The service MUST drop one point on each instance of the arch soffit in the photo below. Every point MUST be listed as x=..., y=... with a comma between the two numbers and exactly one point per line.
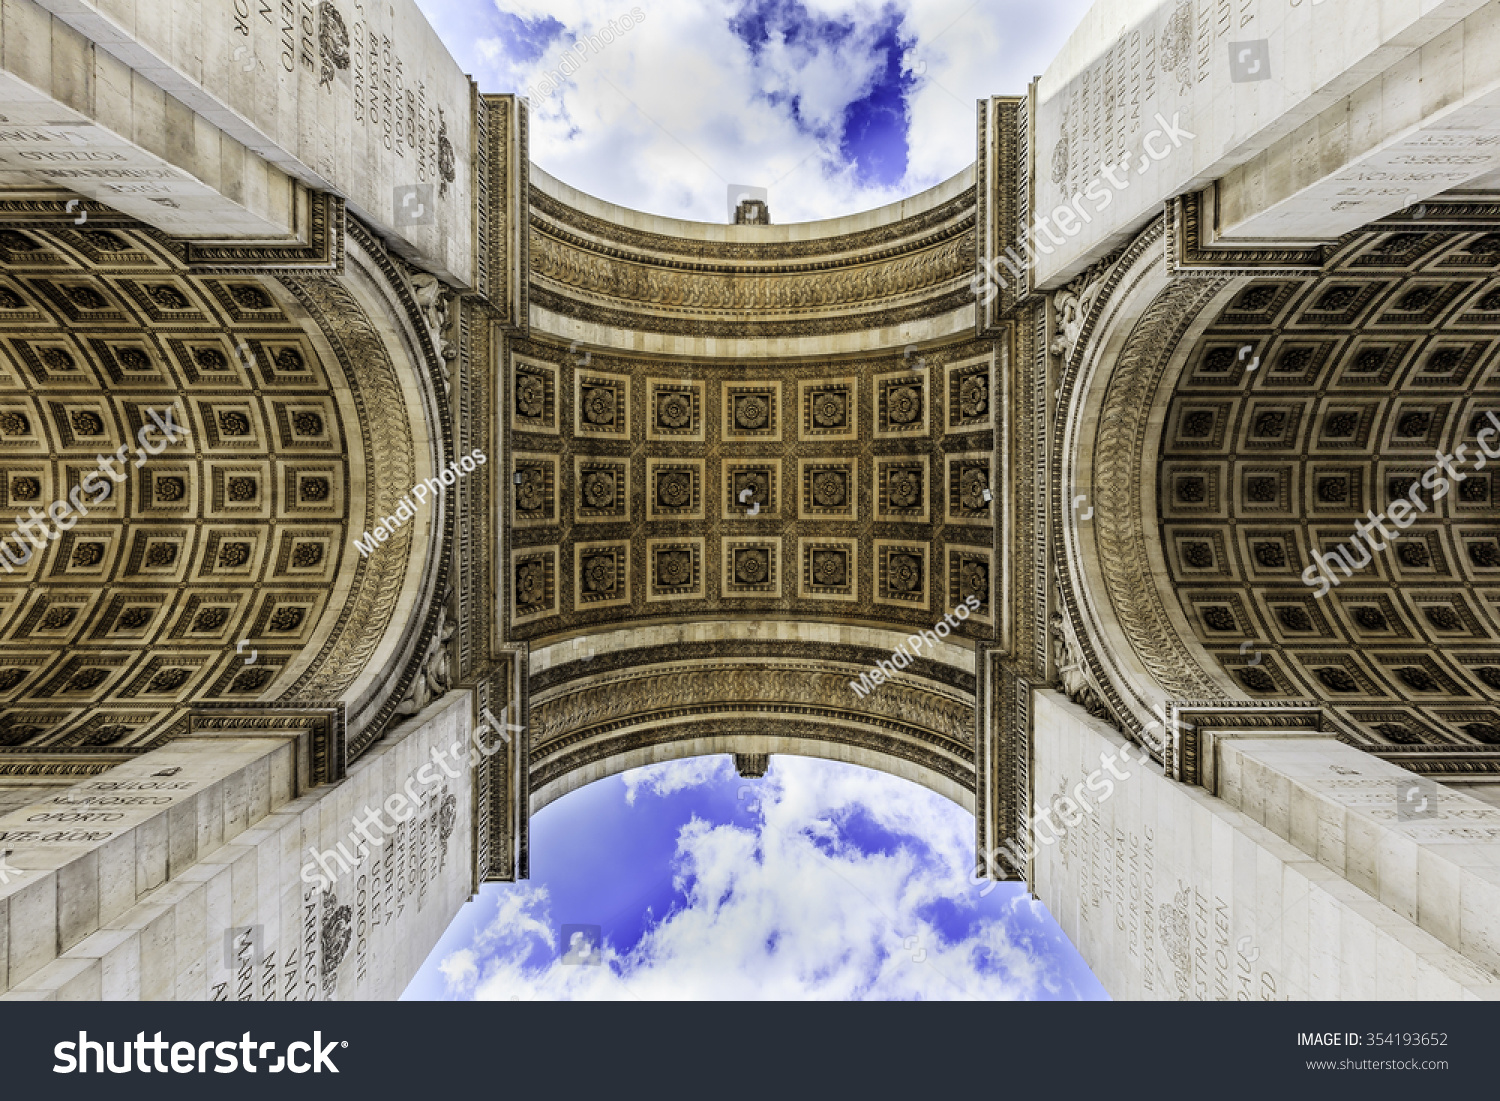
x=85, y=294
x=718, y=688
x=1131, y=326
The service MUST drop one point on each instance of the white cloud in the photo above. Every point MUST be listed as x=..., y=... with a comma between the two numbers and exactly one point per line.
x=677, y=108
x=784, y=907
x=674, y=776
x=461, y=969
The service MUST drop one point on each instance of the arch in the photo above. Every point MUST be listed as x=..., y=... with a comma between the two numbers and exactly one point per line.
x=610, y=277
x=604, y=702
x=1125, y=320
x=765, y=451
x=370, y=319
x=1371, y=385
x=789, y=745
x=223, y=568
x=1176, y=387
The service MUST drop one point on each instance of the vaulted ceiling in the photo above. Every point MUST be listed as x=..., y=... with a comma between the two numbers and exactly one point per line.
x=1304, y=407
x=861, y=489
x=216, y=567
x=747, y=464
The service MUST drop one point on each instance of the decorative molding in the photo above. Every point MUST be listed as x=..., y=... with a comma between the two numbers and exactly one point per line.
x=691, y=724
x=622, y=278
x=1124, y=419
x=1184, y=722
x=319, y=248
x=1072, y=671
x=942, y=272
x=1190, y=251
x=1001, y=170
x=502, y=790
x=1002, y=800
x=326, y=722
x=908, y=708
x=58, y=766
x=379, y=580
x=1451, y=762
x=1073, y=305
x=744, y=650
x=502, y=244
x=1447, y=213
x=879, y=243
x=752, y=766
x=434, y=671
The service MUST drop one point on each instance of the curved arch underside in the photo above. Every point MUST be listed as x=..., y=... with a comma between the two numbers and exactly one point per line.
x=1232, y=431
x=790, y=744
x=725, y=429
x=220, y=569
x=1373, y=384
x=600, y=704
x=787, y=472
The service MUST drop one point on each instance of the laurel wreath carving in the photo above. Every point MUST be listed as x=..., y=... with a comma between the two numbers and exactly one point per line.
x=639, y=283
x=1119, y=527
x=377, y=584
x=910, y=705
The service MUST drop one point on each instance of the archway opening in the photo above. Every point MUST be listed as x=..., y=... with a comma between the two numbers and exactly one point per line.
x=696, y=879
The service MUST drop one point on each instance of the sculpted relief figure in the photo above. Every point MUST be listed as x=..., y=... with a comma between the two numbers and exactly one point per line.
x=434, y=677
x=433, y=299
x=1072, y=674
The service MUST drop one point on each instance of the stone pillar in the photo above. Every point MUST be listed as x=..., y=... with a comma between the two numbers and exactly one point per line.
x=1302, y=121
x=1316, y=872
x=212, y=121
x=204, y=870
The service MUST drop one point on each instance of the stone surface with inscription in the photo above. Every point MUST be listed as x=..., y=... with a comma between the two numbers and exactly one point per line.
x=1170, y=893
x=232, y=903
x=206, y=111
x=1314, y=118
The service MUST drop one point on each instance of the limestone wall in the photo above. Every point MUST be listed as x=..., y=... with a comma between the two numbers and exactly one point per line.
x=217, y=894
x=1318, y=117
x=1171, y=893
x=196, y=116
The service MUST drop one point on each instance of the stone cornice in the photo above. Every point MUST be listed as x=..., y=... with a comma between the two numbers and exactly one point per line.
x=623, y=278
x=942, y=221
x=742, y=649
x=907, y=707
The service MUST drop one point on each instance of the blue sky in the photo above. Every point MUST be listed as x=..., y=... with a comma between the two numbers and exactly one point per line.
x=821, y=881
x=835, y=106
